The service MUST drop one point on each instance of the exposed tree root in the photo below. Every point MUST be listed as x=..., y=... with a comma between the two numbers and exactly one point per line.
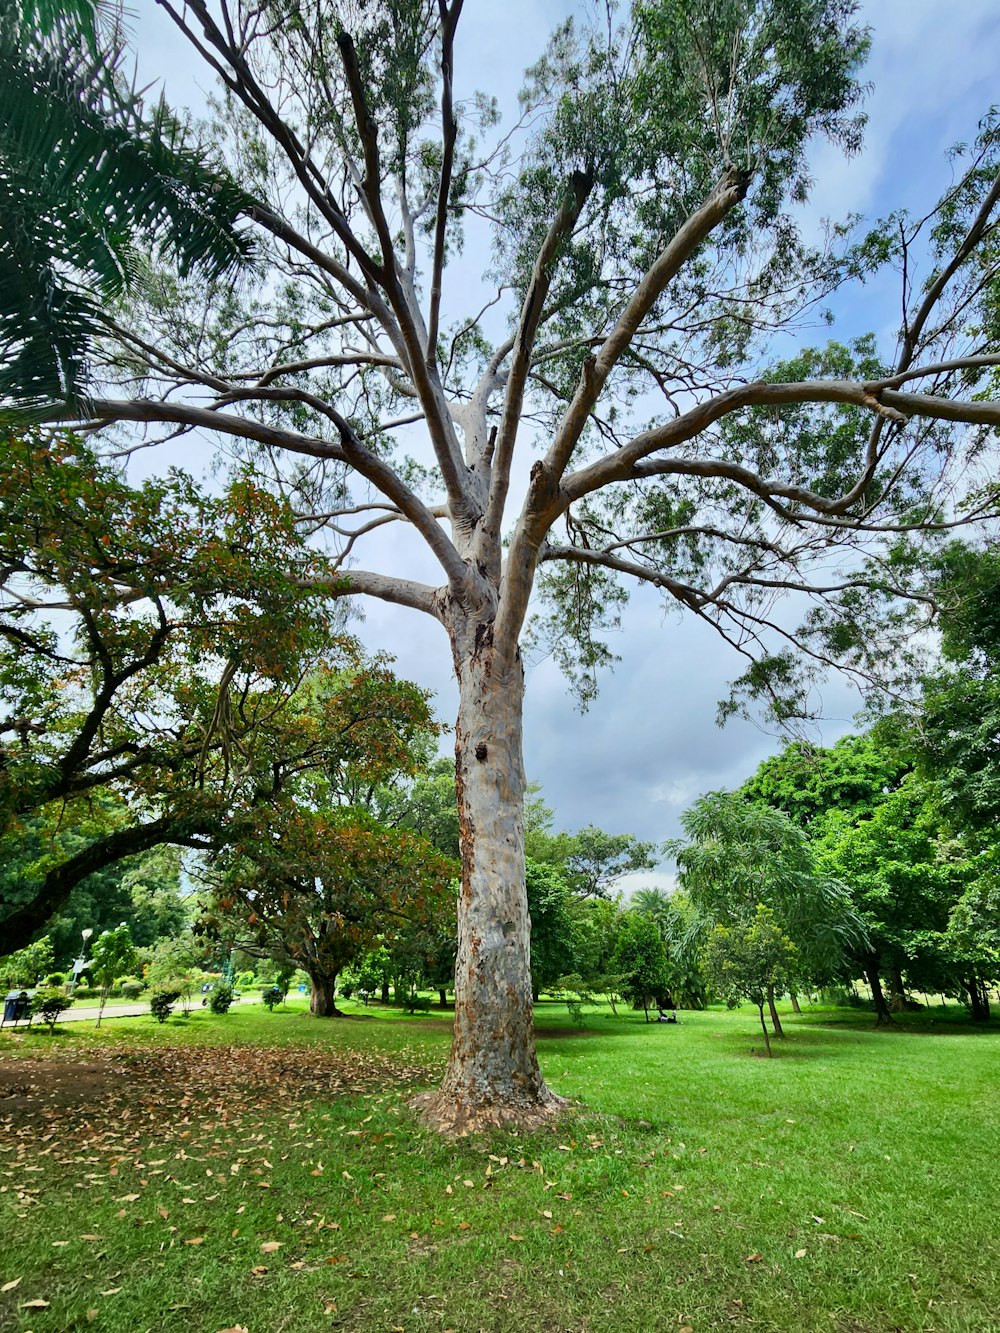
x=456, y=1117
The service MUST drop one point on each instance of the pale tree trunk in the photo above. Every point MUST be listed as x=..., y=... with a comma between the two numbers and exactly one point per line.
x=492, y=1076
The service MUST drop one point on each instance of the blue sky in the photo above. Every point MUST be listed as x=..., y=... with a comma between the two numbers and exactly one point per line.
x=649, y=745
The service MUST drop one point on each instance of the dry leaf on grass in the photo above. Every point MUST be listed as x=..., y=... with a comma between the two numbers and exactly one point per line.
x=754, y=1258
x=269, y=1246
x=9, y=1286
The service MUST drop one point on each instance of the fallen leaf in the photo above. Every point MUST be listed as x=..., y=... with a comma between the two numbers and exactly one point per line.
x=754, y=1258
x=90, y=1236
x=9, y=1286
x=111, y=1291
x=259, y=1270
x=92, y=1314
x=34, y=1305
x=513, y=1237
x=236, y=1328
x=196, y=1240
x=270, y=1246
x=389, y=1217
x=126, y=1198
x=800, y=1254
x=547, y=1213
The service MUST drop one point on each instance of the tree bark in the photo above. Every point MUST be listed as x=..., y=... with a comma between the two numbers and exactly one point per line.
x=763, y=1028
x=897, y=991
x=779, y=1031
x=322, y=989
x=795, y=1002
x=883, y=1017
x=979, y=1000
x=443, y=997
x=492, y=1076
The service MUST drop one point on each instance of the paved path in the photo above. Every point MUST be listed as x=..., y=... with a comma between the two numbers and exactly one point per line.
x=80, y=1013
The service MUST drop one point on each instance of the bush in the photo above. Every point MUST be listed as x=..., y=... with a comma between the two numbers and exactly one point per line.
x=246, y=979
x=49, y=1004
x=220, y=999
x=55, y=979
x=271, y=996
x=85, y=992
x=131, y=989
x=161, y=1004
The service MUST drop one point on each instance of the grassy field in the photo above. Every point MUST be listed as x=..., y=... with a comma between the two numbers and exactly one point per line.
x=262, y=1172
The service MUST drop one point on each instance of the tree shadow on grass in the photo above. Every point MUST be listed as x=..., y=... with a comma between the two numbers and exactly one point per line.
x=925, y=1023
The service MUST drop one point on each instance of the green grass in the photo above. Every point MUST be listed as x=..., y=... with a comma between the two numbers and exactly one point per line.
x=678, y=1195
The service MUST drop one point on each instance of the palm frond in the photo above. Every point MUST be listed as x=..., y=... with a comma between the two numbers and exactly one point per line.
x=89, y=176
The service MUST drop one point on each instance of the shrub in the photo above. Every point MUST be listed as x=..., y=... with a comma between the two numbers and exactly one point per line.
x=271, y=995
x=414, y=1003
x=49, y=1004
x=54, y=979
x=131, y=988
x=220, y=999
x=161, y=1004
x=246, y=978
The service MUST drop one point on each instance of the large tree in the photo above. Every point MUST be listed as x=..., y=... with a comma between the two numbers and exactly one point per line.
x=629, y=424
x=318, y=888
x=150, y=639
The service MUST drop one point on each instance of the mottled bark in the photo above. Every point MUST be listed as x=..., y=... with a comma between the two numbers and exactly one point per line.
x=492, y=1076
x=795, y=1002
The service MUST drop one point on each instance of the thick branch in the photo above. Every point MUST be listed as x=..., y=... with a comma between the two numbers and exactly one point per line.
x=727, y=194
x=449, y=133
x=25, y=922
x=628, y=463
x=403, y=592
x=580, y=185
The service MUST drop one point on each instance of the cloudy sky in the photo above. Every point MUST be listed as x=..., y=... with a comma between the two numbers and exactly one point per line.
x=649, y=745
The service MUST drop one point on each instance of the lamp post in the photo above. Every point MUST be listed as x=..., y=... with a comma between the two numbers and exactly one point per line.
x=80, y=963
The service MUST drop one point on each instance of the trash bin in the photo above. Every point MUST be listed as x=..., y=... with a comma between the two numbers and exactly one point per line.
x=16, y=1005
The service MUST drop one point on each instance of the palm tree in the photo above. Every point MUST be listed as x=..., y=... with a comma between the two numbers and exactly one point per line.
x=91, y=181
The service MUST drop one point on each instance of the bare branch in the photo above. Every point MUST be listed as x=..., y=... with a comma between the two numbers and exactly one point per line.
x=449, y=134
x=727, y=194
x=359, y=582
